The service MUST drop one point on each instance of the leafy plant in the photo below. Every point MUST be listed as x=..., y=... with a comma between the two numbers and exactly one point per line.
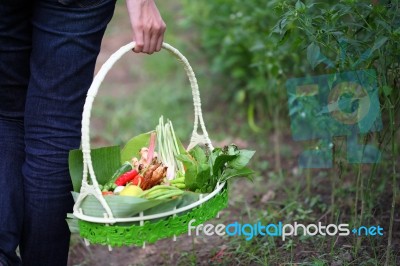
x=203, y=171
x=353, y=35
x=254, y=46
x=251, y=64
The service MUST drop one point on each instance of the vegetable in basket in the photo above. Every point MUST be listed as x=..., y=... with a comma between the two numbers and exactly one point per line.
x=198, y=170
x=168, y=148
x=205, y=168
x=144, y=173
x=151, y=170
x=161, y=192
x=126, y=178
x=131, y=190
x=126, y=167
x=179, y=181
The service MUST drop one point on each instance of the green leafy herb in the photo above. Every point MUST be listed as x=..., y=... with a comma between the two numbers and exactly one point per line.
x=220, y=161
x=242, y=159
x=204, y=169
x=230, y=172
x=198, y=154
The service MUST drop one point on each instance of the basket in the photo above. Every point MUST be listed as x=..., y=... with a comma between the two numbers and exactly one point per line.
x=141, y=229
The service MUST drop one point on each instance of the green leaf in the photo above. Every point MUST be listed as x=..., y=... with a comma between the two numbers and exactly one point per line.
x=198, y=177
x=229, y=173
x=126, y=206
x=220, y=162
x=198, y=154
x=73, y=224
x=313, y=54
x=378, y=43
x=233, y=150
x=185, y=158
x=121, y=206
x=369, y=52
x=300, y=5
x=285, y=36
x=75, y=164
x=134, y=145
x=315, y=57
x=190, y=177
x=387, y=90
x=182, y=149
x=242, y=160
x=105, y=161
x=204, y=178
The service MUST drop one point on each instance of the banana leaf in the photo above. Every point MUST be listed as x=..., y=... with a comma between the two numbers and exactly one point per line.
x=121, y=206
x=105, y=162
x=184, y=200
x=126, y=206
x=133, y=147
x=72, y=223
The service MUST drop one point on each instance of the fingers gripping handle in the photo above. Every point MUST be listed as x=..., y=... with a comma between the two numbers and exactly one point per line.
x=198, y=117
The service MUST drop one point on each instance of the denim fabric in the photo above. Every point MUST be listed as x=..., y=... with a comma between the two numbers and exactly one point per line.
x=48, y=50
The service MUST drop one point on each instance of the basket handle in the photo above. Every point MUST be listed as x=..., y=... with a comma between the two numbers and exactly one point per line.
x=92, y=92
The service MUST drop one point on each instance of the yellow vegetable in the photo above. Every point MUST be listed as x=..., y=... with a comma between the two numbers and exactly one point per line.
x=133, y=191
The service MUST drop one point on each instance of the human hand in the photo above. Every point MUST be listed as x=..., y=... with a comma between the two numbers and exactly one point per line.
x=147, y=25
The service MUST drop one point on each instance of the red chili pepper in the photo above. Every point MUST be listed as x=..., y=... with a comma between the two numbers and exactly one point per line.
x=137, y=180
x=127, y=177
x=105, y=193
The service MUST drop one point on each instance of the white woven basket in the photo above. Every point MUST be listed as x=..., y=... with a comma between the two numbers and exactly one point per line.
x=93, y=188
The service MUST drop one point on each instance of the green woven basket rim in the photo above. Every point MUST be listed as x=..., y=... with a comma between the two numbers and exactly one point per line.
x=153, y=230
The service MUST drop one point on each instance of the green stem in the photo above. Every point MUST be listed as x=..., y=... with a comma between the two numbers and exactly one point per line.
x=369, y=185
x=308, y=180
x=333, y=187
x=277, y=147
x=361, y=195
x=394, y=184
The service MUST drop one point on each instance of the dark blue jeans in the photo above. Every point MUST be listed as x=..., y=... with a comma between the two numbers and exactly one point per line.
x=48, y=50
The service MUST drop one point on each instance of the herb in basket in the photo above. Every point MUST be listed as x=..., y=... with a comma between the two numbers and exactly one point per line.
x=157, y=172
x=165, y=163
x=204, y=168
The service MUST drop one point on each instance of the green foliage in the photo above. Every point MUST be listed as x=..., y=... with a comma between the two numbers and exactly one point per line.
x=257, y=45
x=236, y=36
x=348, y=35
x=353, y=35
x=205, y=168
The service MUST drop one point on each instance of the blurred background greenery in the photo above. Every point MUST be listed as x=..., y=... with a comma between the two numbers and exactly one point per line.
x=243, y=52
